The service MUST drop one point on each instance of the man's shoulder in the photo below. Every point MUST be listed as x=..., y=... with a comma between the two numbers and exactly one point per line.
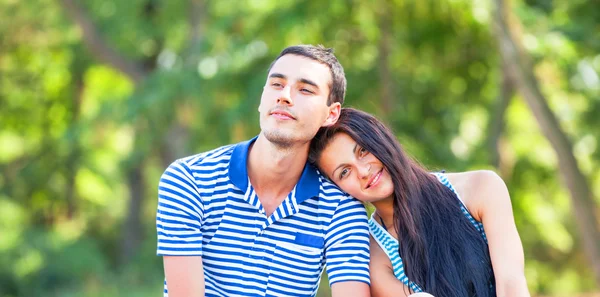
x=331, y=193
x=200, y=165
x=329, y=189
x=208, y=158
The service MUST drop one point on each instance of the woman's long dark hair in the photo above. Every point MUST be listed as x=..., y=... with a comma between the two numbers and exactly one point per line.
x=442, y=251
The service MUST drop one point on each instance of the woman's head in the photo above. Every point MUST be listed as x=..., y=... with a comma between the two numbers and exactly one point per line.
x=348, y=154
x=441, y=250
x=369, y=138
x=357, y=153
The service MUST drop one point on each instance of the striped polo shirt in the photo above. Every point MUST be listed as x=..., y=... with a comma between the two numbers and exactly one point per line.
x=207, y=207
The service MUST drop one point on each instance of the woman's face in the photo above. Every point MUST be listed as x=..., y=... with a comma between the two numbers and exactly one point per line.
x=355, y=170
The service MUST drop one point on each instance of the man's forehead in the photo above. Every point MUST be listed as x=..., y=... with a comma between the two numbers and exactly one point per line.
x=295, y=67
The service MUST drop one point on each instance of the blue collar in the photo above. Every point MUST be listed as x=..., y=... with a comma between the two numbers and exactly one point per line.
x=307, y=187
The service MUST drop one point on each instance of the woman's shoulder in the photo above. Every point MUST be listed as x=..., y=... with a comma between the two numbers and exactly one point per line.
x=474, y=178
x=474, y=187
x=378, y=256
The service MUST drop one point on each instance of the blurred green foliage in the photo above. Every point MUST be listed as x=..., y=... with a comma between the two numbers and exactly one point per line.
x=84, y=137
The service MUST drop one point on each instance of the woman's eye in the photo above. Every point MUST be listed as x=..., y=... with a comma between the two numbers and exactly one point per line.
x=276, y=85
x=344, y=173
x=362, y=152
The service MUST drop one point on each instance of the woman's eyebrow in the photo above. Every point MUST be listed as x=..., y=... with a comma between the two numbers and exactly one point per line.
x=344, y=164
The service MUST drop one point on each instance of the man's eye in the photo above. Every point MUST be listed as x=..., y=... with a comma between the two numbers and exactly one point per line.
x=307, y=91
x=276, y=85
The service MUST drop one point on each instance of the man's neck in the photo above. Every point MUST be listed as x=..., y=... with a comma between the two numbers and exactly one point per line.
x=274, y=171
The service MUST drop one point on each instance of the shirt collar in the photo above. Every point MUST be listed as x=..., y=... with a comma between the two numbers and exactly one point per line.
x=307, y=187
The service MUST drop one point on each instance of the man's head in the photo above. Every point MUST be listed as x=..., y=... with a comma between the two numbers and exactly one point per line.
x=304, y=91
x=323, y=55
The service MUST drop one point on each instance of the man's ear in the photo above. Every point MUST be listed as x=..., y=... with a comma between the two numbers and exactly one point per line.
x=334, y=114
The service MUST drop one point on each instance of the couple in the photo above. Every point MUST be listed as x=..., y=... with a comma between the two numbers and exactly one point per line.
x=256, y=219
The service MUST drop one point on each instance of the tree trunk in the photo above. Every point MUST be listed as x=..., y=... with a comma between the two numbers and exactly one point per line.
x=132, y=229
x=74, y=155
x=175, y=144
x=385, y=75
x=497, y=122
x=136, y=71
x=177, y=137
x=191, y=53
x=582, y=199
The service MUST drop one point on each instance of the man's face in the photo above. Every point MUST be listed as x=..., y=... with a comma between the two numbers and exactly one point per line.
x=293, y=105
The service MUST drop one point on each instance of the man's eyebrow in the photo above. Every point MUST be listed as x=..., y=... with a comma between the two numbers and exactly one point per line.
x=278, y=75
x=302, y=80
x=309, y=82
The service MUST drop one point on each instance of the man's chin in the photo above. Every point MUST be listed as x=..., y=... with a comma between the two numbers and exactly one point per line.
x=280, y=138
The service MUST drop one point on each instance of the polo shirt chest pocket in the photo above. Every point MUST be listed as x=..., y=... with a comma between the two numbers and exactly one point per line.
x=296, y=266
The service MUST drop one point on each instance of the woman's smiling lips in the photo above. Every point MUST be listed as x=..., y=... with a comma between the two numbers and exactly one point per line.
x=375, y=179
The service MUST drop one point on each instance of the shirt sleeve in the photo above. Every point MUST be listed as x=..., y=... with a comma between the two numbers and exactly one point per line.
x=179, y=214
x=347, y=243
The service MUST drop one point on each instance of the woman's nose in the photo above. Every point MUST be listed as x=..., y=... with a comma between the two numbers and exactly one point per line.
x=364, y=170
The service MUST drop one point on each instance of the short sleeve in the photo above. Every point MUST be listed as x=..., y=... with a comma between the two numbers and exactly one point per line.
x=347, y=243
x=179, y=214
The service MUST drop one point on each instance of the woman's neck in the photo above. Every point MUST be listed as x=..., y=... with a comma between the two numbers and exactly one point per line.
x=384, y=211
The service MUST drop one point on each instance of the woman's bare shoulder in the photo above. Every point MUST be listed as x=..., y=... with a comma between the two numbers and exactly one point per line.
x=473, y=179
x=475, y=186
x=378, y=256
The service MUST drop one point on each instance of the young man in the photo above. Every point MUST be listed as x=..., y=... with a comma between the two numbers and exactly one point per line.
x=253, y=218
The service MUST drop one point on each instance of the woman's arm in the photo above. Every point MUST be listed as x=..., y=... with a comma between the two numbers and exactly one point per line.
x=383, y=281
x=489, y=201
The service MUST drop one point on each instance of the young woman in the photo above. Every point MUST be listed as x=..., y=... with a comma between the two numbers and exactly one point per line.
x=445, y=234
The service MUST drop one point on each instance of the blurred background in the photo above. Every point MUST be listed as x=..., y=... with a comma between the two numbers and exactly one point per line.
x=97, y=97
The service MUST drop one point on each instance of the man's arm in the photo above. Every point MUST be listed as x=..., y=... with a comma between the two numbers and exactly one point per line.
x=347, y=250
x=350, y=288
x=178, y=225
x=185, y=276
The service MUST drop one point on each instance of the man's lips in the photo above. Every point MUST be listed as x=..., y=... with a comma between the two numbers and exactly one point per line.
x=374, y=179
x=282, y=115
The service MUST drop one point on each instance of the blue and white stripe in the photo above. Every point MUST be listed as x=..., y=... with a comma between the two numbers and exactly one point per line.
x=207, y=207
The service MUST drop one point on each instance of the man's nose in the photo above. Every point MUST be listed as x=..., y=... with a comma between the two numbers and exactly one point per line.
x=285, y=96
